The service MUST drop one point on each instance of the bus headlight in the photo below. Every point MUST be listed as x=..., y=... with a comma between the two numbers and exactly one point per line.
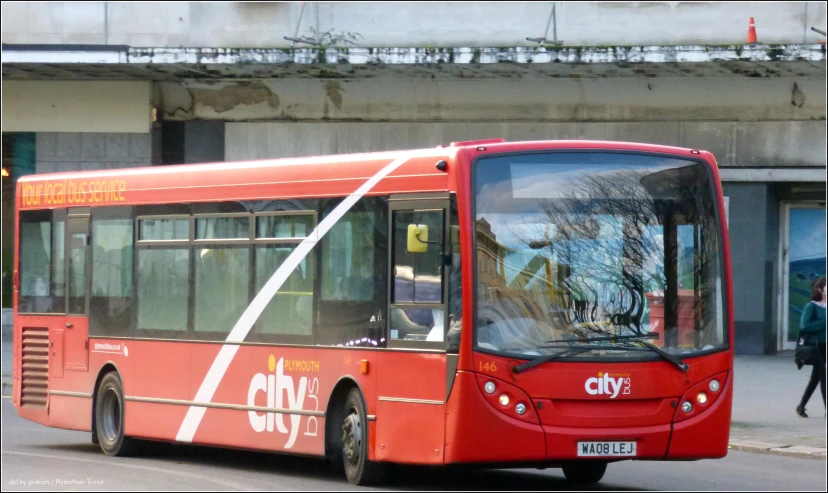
x=687, y=406
x=489, y=387
x=504, y=400
x=714, y=386
x=520, y=408
x=701, y=398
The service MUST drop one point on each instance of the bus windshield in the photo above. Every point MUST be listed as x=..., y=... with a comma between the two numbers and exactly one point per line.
x=594, y=250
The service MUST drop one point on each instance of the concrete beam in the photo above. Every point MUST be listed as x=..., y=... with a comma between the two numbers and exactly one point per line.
x=772, y=175
x=710, y=100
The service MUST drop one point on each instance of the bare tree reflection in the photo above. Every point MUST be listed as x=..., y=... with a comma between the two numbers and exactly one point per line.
x=585, y=260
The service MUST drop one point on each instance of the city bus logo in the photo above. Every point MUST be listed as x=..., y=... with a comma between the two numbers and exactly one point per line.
x=606, y=384
x=276, y=384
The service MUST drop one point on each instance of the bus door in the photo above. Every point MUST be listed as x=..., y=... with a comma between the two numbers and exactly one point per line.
x=411, y=385
x=76, y=334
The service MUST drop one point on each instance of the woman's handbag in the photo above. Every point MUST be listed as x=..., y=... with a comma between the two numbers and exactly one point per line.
x=805, y=354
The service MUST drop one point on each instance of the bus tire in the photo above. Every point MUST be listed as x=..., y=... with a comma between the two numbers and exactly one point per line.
x=358, y=469
x=109, y=419
x=585, y=473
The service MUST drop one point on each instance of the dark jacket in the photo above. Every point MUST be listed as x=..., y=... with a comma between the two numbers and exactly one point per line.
x=812, y=324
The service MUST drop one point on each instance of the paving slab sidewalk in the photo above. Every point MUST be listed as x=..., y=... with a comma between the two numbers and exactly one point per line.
x=767, y=391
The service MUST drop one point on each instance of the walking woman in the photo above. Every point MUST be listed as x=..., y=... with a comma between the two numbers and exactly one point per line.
x=812, y=329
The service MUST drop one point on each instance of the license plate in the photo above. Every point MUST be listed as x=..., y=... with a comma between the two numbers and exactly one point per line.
x=606, y=449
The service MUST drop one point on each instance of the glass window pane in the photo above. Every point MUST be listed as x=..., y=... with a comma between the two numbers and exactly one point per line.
x=417, y=324
x=221, y=287
x=163, y=289
x=41, y=263
x=111, y=303
x=348, y=253
x=77, y=273
x=59, y=265
x=214, y=228
x=164, y=229
x=417, y=276
x=35, y=267
x=455, y=299
x=289, y=226
x=291, y=309
x=584, y=244
x=112, y=258
x=354, y=275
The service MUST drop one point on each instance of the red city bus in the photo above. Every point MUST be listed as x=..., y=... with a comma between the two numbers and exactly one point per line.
x=546, y=304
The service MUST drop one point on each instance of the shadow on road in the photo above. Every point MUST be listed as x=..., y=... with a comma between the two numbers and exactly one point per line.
x=399, y=477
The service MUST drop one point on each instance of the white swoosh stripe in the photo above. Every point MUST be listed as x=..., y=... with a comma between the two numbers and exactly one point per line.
x=254, y=310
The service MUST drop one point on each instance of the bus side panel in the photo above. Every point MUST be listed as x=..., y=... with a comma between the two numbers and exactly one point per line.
x=161, y=370
x=411, y=410
x=477, y=432
x=70, y=413
x=276, y=377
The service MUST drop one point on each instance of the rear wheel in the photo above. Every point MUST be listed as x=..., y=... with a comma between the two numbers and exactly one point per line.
x=358, y=469
x=109, y=419
x=585, y=473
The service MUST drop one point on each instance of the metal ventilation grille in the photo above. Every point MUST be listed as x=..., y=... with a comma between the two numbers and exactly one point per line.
x=35, y=383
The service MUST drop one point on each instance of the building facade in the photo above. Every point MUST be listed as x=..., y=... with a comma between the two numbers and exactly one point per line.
x=105, y=85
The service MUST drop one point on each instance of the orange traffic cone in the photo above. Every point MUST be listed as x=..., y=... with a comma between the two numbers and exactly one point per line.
x=751, y=39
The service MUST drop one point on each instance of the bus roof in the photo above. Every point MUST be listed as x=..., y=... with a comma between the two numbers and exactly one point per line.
x=318, y=176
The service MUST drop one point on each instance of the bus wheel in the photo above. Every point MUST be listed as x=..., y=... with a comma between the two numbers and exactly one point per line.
x=109, y=418
x=585, y=473
x=358, y=469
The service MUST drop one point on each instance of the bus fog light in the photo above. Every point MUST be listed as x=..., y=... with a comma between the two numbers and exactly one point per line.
x=701, y=398
x=687, y=407
x=504, y=400
x=714, y=385
x=489, y=387
x=520, y=408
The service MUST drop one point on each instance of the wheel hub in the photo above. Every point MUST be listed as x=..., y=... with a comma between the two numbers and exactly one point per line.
x=352, y=437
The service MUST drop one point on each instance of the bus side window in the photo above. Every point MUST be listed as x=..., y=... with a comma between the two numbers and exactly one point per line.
x=455, y=291
x=353, y=269
x=42, y=254
x=112, y=301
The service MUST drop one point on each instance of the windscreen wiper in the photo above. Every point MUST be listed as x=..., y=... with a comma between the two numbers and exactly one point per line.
x=549, y=357
x=564, y=354
x=677, y=362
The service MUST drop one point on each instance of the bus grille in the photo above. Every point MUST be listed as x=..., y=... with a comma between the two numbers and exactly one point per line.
x=35, y=382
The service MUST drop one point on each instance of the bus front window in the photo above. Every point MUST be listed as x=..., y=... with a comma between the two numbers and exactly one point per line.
x=573, y=246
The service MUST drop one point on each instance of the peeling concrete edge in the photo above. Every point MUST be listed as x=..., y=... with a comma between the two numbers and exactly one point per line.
x=424, y=55
x=469, y=55
x=776, y=449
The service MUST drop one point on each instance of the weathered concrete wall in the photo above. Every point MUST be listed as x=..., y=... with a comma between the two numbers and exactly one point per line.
x=203, y=142
x=76, y=106
x=253, y=24
x=537, y=100
x=746, y=144
x=753, y=258
x=90, y=151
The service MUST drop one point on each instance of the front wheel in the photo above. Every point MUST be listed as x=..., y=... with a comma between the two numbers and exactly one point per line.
x=109, y=419
x=358, y=469
x=585, y=473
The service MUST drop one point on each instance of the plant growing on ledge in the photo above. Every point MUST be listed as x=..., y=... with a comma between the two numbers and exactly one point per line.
x=327, y=39
x=331, y=38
